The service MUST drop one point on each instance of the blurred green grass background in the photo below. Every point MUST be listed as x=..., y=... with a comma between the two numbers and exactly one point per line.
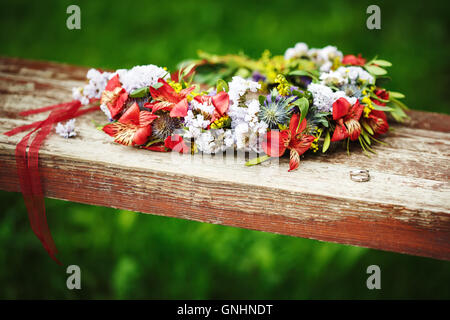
x=131, y=255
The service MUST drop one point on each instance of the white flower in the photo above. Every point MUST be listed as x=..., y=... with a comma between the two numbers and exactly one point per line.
x=205, y=142
x=326, y=66
x=195, y=120
x=77, y=94
x=325, y=57
x=324, y=97
x=341, y=94
x=228, y=138
x=204, y=107
x=247, y=113
x=299, y=50
x=355, y=74
x=93, y=89
x=249, y=136
x=253, y=107
x=333, y=78
x=141, y=76
x=239, y=86
x=214, y=141
x=192, y=132
x=66, y=130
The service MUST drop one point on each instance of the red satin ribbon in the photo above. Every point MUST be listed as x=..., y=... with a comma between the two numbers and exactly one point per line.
x=28, y=169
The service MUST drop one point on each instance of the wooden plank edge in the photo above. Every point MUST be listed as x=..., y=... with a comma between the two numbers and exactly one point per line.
x=200, y=199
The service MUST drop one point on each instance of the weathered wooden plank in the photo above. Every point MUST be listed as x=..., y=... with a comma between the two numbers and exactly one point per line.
x=404, y=208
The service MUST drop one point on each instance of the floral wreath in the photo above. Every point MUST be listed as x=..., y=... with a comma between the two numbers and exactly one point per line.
x=307, y=100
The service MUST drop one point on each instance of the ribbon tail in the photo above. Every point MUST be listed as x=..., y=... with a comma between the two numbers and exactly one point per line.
x=28, y=166
x=38, y=194
x=47, y=108
x=25, y=182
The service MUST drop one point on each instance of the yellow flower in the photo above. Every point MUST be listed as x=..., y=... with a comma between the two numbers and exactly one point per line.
x=368, y=106
x=283, y=85
x=315, y=144
x=336, y=63
x=221, y=122
x=175, y=85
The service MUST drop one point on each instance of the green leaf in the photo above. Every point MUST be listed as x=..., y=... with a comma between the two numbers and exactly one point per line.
x=303, y=73
x=381, y=108
x=382, y=63
x=367, y=127
x=99, y=126
x=326, y=143
x=299, y=73
x=221, y=85
x=261, y=99
x=376, y=70
x=396, y=95
x=187, y=69
x=157, y=85
x=298, y=93
x=365, y=136
x=398, y=114
x=303, y=105
x=243, y=72
x=400, y=104
x=257, y=160
x=323, y=122
x=153, y=142
x=140, y=93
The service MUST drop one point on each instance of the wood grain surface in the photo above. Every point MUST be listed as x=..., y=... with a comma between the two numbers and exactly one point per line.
x=405, y=207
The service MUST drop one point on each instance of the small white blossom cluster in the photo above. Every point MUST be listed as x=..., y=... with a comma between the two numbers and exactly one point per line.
x=239, y=86
x=141, y=76
x=324, y=57
x=346, y=75
x=93, y=89
x=135, y=78
x=215, y=140
x=298, y=51
x=207, y=141
x=195, y=120
x=248, y=130
x=66, y=130
x=324, y=97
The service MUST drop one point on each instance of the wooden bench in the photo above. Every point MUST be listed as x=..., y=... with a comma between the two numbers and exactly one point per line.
x=405, y=207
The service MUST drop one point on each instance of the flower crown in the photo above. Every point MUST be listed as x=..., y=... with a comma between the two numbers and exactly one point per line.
x=308, y=100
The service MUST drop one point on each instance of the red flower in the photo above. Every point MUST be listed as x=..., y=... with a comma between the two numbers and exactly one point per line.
x=382, y=94
x=133, y=127
x=377, y=120
x=114, y=96
x=276, y=142
x=166, y=98
x=220, y=101
x=347, y=119
x=353, y=60
x=176, y=143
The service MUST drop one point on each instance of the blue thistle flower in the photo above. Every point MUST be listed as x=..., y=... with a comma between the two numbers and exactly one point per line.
x=276, y=109
x=352, y=90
